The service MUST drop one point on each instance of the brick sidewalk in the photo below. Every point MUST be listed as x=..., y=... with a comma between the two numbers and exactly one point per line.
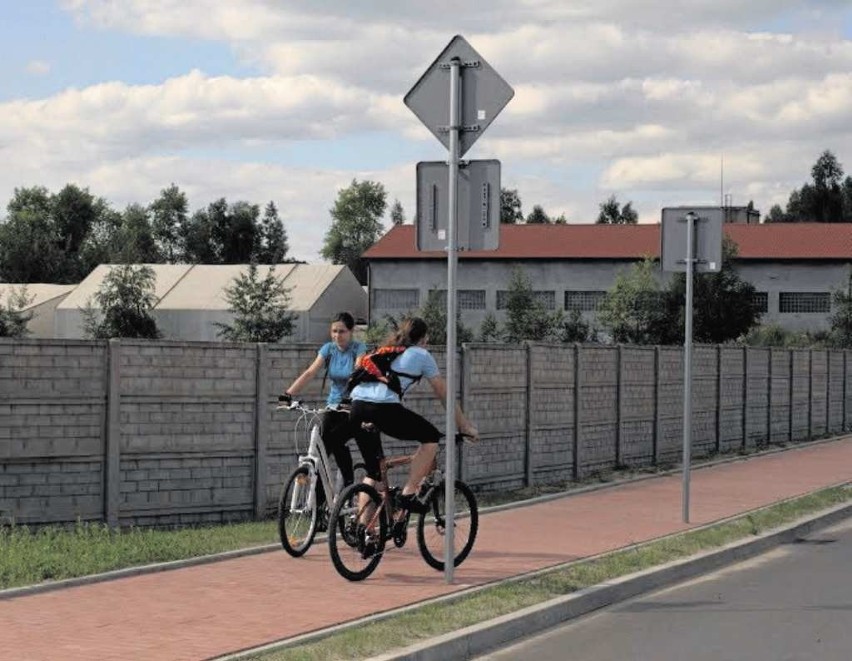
x=209, y=610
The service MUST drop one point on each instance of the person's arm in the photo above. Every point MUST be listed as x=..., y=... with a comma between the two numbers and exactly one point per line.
x=463, y=425
x=305, y=376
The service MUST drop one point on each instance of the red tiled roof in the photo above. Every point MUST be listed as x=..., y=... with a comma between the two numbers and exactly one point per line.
x=768, y=241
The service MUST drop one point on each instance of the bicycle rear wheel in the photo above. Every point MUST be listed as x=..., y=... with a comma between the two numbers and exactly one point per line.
x=355, y=550
x=431, y=526
x=297, y=522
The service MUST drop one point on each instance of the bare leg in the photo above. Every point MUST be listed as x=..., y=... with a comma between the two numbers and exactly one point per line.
x=365, y=507
x=422, y=463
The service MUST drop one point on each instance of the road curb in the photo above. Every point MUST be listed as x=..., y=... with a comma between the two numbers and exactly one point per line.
x=481, y=638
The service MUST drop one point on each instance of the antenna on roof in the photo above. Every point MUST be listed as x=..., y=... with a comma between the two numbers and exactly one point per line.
x=722, y=180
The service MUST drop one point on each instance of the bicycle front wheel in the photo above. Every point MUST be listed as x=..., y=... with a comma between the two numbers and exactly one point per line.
x=297, y=520
x=431, y=527
x=357, y=531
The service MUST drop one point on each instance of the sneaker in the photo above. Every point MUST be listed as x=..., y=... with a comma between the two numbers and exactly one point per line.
x=411, y=503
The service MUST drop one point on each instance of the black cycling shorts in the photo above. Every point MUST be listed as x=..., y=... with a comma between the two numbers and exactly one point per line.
x=394, y=420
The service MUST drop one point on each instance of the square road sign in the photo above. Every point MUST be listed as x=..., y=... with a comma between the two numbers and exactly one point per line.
x=483, y=94
x=707, y=239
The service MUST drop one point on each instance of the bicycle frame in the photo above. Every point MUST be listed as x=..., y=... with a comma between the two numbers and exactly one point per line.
x=316, y=458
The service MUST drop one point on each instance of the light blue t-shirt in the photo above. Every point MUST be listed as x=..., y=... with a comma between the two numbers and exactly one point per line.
x=340, y=366
x=414, y=360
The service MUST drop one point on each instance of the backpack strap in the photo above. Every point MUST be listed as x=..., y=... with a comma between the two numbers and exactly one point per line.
x=325, y=376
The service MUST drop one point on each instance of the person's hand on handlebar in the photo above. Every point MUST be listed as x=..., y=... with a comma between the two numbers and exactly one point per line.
x=469, y=431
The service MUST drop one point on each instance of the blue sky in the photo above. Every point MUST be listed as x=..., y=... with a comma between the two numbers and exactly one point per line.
x=289, y=101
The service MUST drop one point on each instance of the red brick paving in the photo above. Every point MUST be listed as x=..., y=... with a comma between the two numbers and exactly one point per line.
x=210, y=610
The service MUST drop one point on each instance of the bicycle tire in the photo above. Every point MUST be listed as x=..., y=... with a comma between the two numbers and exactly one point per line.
x=430, y=525
x=348, y=559
x=296, y=539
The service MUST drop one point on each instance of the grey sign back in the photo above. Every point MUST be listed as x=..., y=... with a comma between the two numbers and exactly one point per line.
x=484, y=95
x=707, y=239
x=478, y=205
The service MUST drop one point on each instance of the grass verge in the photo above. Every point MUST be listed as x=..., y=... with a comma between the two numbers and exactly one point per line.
x=441, y=618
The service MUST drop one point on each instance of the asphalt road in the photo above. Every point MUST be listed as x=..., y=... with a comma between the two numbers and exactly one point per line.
x=792, y=604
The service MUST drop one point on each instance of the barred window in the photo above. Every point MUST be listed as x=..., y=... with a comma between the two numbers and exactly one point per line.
x=546, y=298
x=468, y=299
x=761, y=301
x=395, y=299
x=801, y=301
x=584, y=301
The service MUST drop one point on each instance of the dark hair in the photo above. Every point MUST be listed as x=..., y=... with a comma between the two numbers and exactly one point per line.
x=409, y=333
x=347, y=319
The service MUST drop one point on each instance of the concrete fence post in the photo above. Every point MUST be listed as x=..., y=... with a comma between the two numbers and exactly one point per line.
x=655, y=441
x=769, y=398
x=810, y=393
x=745, y=398
x=112, y=444
x=261, y=429
x=718, y=421
x=828, y=391
x=845, y=376
x=528, y=468
x=464, y=399
x=619, y=401
x=791, y=356
x=578, y=384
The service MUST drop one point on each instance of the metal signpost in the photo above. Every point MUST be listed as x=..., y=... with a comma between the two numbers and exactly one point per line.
x=691, y=243
x=457, y=109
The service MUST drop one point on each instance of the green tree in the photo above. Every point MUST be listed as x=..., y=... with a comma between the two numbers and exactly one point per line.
x=526, y=317
x=29, y=251
x=13, y=318
x=636, y=309
x=510, y=206
x=273, y=237
x=169, y=213
x=723, y=303
x=44, y=236
x=489, y=331
x=223, y=233
x=612, y=213
x=776, y=215
x=537, y=216
x=574, y=328
x=434, y=313
x=135, y=242
x=560, y=220
x=841, y=317
x=823, y=200
x=122, y=305
x=397, y=213
x=260, y=307
x=356, y=225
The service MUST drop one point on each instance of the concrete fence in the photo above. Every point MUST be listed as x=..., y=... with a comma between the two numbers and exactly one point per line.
x=164, y=433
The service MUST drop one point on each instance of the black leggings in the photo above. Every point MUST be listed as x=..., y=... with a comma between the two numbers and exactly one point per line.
x=336, y=428
x=394, y=420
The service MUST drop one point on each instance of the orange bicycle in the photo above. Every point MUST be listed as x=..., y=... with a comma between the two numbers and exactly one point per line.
x=358, y=541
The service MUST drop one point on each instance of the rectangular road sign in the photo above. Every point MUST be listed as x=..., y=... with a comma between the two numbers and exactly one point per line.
x=707, y=239
x=478, y=205
x=484, y=94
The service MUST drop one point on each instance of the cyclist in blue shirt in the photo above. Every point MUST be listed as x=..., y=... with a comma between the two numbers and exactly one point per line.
x=339, y=356
x=376, y=403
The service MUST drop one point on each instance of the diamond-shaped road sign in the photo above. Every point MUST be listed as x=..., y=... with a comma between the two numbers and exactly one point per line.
x=484, y=94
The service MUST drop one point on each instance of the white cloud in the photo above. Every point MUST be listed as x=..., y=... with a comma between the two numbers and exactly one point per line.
x=38, y=67
x=611, y=96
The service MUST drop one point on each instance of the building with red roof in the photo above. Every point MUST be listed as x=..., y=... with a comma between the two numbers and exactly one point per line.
x=794, y=267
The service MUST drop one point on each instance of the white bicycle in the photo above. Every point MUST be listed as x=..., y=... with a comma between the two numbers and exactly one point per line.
x=299, y=516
